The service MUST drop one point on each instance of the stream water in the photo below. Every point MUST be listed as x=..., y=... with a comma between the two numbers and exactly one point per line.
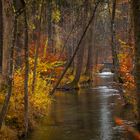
x=85, y=115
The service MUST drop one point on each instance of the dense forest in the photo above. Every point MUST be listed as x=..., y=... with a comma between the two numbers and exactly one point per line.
x=55, y=51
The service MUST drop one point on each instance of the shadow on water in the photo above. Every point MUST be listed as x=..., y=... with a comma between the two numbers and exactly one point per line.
x=85, y=115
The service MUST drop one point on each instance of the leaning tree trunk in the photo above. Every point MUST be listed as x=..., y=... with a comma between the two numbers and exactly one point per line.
x=76, y=49
x=136, y=19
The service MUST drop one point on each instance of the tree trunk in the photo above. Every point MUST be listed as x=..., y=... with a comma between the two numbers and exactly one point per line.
x=34, y=13
x=10, y=75
x=37, y=49
x=50, y=43
x=7, y=29
x=1, y=35
x=136, y=19
x=79, y=65
x=96, y=58
x=1, y=42
x=113, y=42
x=80, y=53
x=26, y=49
x=89, y=65
x=19, y=45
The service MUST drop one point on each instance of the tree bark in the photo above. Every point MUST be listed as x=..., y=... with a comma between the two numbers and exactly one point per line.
x=1, y=42
x=26, y=50
x=37, y=49
x=10, y=75
x=89, y=65
x=136, y=13
x=113, y=42
x=1, y=35
x=7, y=29
x=50, y=42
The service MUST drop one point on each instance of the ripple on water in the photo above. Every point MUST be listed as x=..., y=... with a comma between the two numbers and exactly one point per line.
x=105, y=74
x=106, y=89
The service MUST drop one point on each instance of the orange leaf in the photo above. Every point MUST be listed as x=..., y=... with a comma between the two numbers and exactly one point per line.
x=118, y=121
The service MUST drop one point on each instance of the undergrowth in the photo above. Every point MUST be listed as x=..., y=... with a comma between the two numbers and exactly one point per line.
x=47, y=73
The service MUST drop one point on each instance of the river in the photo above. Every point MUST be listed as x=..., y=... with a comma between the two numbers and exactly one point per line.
x=86, y=114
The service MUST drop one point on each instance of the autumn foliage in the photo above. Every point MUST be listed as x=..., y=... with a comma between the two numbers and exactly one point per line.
x=129, y=129
x=126, y=58
x=47, y=72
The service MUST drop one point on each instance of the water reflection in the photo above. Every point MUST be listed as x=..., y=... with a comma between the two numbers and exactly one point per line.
x=85, y=115
x=105, y=121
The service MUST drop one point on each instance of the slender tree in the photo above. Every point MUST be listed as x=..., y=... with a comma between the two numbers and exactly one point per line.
x=113, y=41
x=1, y=35
x=50, y=42
x=10, y=74
x=26, y=50
x=37, y=48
